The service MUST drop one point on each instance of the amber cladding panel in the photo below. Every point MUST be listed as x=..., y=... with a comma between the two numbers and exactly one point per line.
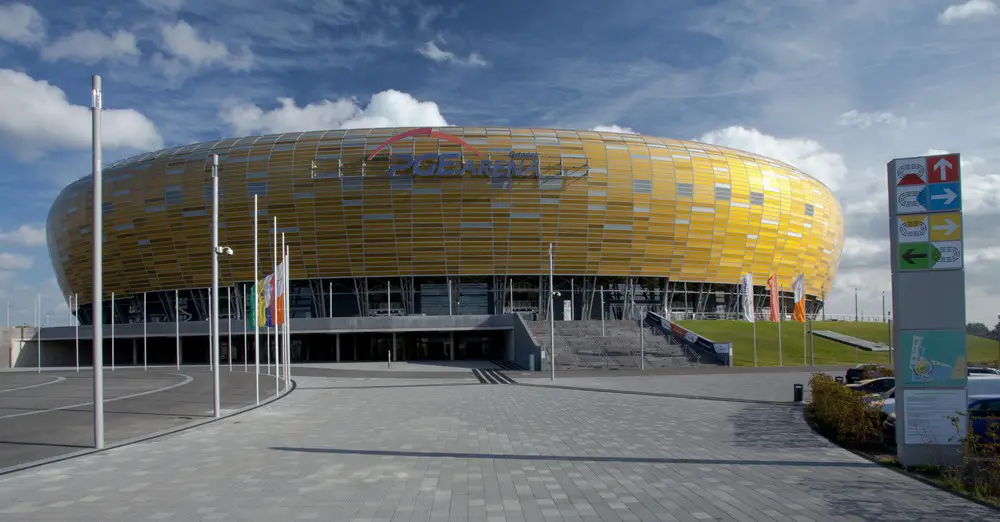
x=613, y=204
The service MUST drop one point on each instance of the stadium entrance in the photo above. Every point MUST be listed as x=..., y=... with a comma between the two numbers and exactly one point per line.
x=409, y=346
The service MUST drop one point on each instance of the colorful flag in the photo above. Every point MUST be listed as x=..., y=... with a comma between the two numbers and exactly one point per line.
x=799, y=287
x=746, y=288
x=772, y=285
x=279, y=294
x=268, y=298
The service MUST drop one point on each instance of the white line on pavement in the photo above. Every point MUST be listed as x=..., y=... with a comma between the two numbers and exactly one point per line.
x=187, y=379
x=58, y=379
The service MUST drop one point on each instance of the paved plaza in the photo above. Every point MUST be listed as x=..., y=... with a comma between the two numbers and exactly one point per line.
x=340, y=449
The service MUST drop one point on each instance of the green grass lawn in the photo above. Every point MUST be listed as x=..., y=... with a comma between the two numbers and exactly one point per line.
x=827, y=353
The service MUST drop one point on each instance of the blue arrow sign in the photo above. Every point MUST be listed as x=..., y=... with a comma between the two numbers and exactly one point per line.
x=911, y=199
x=944, y=196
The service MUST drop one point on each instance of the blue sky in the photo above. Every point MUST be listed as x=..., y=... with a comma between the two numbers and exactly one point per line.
x=835, y=87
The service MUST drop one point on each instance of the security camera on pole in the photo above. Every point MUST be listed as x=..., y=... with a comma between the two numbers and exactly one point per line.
x=216, y=252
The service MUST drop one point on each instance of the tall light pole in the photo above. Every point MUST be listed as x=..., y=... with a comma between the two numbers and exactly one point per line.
x=997, y=329
x=98, y=292
x=215, y=284
x=552, y=320
x=856, y=318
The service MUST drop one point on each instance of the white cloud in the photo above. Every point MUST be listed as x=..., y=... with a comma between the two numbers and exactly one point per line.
x=89, y=47
x=971, y=10
x=804, y=154
x=25, y=235
x=21, y=297
x=21, y=24
x=38, y=118
x=387, y=109
x=864, y=120
x=431, y=51
x=185, y=51
x=613, y=128
x=14, y=262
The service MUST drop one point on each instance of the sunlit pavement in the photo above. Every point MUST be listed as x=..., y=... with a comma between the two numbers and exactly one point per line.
x=396, y=449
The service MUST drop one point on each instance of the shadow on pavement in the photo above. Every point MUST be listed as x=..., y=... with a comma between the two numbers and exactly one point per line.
x=573, y=458
x=766, y=427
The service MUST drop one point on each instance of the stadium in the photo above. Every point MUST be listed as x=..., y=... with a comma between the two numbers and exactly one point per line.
x=404, y=238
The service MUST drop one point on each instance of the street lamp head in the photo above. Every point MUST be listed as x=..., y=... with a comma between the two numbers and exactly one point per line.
x=224, y=251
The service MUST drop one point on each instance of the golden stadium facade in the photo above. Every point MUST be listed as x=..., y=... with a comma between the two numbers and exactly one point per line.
x=454, y=220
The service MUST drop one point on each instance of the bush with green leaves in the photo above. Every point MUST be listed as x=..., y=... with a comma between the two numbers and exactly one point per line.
x=843, y=414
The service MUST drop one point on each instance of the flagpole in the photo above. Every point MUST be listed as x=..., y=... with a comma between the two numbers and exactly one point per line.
x=284, y=329
x=245, y=325
x=256, y=308
x=274, y=314
x=781, y=317
x=76, y=308
x=288, y=315
x=177, y=325
x=288, y=309
x=112, y=331
x=753, y=318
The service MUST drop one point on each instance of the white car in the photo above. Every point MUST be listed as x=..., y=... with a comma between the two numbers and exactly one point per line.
x=979, y=384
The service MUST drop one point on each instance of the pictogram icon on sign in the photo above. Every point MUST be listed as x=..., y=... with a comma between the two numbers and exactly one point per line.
x=913, y=229
x=944, y=196
x=946, y=226
x=914, y=257
x=911, y=200
x=944, y=169
x=946, y=254
x=911, y=171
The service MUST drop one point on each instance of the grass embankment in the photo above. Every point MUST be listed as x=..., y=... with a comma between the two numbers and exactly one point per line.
x=826, y=353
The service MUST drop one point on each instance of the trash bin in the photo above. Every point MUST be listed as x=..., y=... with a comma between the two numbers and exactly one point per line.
x=797, y=392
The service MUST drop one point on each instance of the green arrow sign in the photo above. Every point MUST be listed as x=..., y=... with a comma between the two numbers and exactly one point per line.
x=914, y=256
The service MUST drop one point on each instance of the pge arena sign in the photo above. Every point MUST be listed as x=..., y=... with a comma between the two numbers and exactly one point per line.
x=515, y=165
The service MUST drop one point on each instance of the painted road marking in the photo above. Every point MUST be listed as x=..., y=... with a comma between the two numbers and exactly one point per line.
x=58, y=379
x=187, y=379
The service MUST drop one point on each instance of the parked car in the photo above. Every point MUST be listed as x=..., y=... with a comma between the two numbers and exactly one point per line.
x=878, y=385
x=862, y=372
x=982, y=370
x=984, y=418
x=979, y=386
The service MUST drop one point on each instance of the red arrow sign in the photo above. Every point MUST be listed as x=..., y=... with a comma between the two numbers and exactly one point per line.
x=945, y=168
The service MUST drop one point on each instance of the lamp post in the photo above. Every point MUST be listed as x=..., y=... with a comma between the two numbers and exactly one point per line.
x=552, y=320
x=216, y=252
x=98, y=275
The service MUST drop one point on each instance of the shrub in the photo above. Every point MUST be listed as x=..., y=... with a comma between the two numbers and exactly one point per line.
x=842, y=414
x=979, y=473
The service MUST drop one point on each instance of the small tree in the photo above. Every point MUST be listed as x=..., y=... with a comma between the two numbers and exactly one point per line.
x=979, y=329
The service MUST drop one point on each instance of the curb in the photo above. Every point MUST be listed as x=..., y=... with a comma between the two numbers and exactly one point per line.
x=143, y=438
x=667, y=395
x=901, y=470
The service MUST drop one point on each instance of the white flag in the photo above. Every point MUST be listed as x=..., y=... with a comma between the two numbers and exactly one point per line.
x=746, y=289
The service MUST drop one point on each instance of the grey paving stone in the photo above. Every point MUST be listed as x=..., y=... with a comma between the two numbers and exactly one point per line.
x=478, y=453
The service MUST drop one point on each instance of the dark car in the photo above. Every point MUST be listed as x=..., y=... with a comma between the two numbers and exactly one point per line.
x=862, y=372
x=984, y=413
x=877, y=385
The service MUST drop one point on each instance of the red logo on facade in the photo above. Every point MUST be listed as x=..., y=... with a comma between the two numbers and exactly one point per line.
x=425, y=131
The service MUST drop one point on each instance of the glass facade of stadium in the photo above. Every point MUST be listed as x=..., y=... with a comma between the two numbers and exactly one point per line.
x=450, y=221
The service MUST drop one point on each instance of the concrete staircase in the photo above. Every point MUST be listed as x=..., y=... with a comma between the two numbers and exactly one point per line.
x=579, y=344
